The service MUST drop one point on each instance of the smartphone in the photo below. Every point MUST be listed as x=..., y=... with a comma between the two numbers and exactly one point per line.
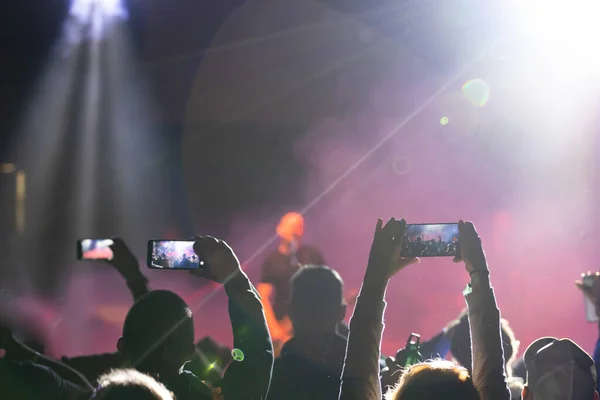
x=590, y=309
x=413, y=342
x=94, y=249
x=431, y=240
x=173, y=254
x=411, y=354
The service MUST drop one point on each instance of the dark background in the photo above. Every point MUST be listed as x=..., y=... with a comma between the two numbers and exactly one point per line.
x=169, y=37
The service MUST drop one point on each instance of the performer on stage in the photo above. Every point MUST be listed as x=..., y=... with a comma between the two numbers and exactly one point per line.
x=274, y=286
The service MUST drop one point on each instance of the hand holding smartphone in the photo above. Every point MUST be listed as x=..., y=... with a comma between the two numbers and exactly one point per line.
x=173, y=254
x=411, y=354
x=431, y=240
x=590, y=309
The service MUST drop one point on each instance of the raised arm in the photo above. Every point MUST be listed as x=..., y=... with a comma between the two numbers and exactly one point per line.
x=591, y=290
x=489, y=376
x=249, y=374
x=19, y=352
x=360, y=377
x=250, y=377
x=126, y=263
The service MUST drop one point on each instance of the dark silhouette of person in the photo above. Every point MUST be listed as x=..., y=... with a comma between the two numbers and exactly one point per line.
x=419, y=246
x=310, y=364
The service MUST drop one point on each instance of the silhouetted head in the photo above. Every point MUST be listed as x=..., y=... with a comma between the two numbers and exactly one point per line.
x=317, y=299
x=434, y=380
x=460, y=334
x=559, y=369
x=129, y=384
x=419, y=239
x=158, y=333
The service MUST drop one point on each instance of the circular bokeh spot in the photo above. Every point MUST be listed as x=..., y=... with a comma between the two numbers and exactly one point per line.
x=401, y=165
x=7, y=168
x=237, y=355
x=459, y=117
x=477, y=92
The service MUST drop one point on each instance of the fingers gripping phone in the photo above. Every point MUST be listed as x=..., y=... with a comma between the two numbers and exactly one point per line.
x=94, y=249
x=173, y=254
x=431, y=240
x=590, y=308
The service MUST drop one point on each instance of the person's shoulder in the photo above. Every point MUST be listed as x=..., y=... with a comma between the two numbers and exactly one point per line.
x=109, y=357
x=94, y=365
x=191, y=378
x=16, y=374
x=27, y=368
x=287, y=368
x=278, y=365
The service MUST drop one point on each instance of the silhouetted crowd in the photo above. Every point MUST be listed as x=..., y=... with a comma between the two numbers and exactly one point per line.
x=183, y=261
x=158, y=358
x=422, y=247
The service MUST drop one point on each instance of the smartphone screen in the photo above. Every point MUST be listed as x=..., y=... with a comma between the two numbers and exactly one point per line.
x=430, y=240
x=94, y=249
x=173, y=254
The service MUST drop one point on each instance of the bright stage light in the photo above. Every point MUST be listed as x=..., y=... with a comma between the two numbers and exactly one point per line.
x=567, y=31
x=93, y=19
x=82, y=9
x=553, y=70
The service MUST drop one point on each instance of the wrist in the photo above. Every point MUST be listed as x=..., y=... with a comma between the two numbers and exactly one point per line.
x=375, y=281
x=373, y=287
x=480, y=278
x=477, y=265
x=375, y=274
x=135, y=277
x=128, y=269
x=236, y=281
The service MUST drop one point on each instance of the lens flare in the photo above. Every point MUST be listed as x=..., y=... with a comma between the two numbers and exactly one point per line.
x=401, y=165
x=477, y=92
x=237, y=355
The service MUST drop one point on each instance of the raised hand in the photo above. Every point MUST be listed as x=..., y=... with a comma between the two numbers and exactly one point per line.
x=384, y=258
x=220, y=262
x=391, y=373
x=470, y=249
x=591, y=287
x=123, y=259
